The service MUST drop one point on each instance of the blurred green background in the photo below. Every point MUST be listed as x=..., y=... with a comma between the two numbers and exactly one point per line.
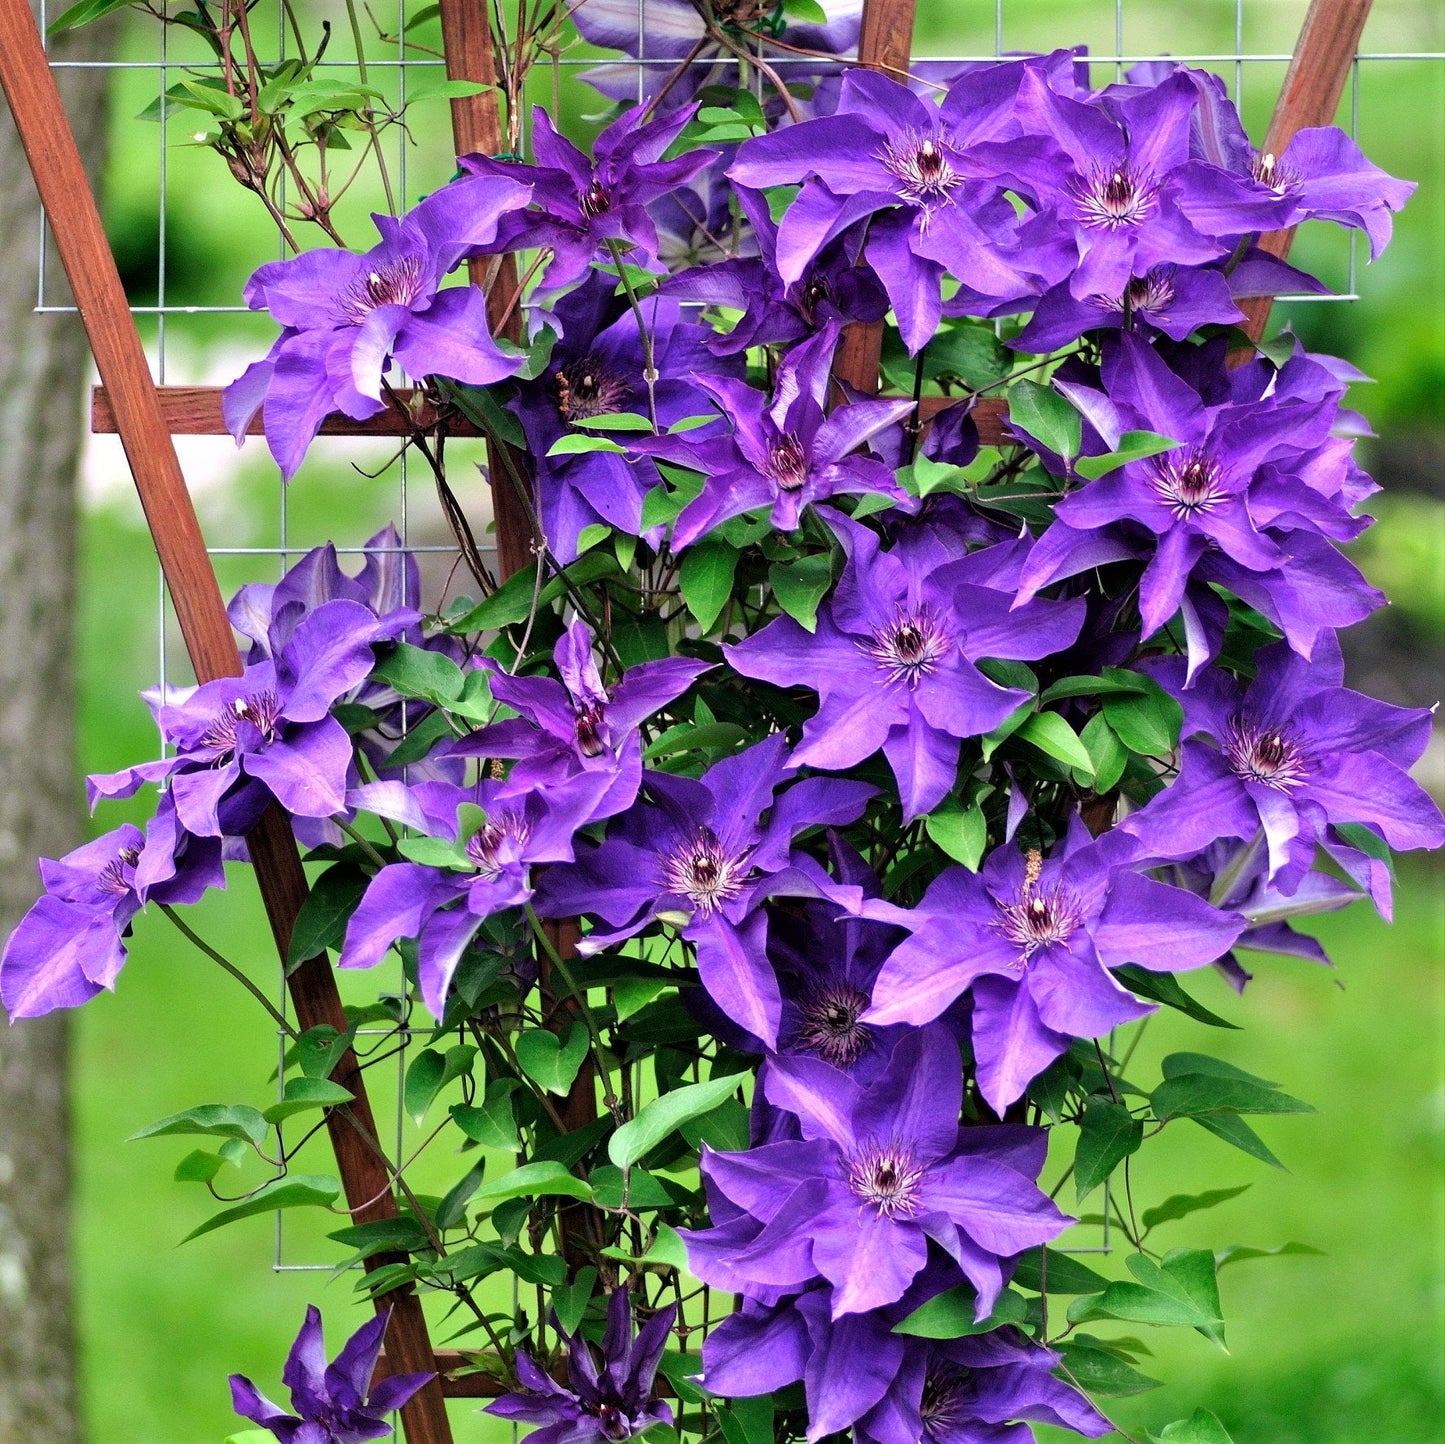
x=1341, y=1349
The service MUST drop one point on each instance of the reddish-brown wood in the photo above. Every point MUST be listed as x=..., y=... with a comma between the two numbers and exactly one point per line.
x=1310, y=96
x=196, y=411
x=477, y=128
x=60, y=178
x=885, y=41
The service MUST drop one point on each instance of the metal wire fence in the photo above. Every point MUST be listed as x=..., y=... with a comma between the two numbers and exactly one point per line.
x=1248, y=42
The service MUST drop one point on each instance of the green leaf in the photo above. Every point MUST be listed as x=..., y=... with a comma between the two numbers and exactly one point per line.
x=1107, y=753
x=217, y=1120
x=1181, y=1205
x=1190, y=1094
x=452, y=1210
x=706, y=579
x=420, y=740
x=548, y=1061
x=429, y=1072
x=484, y=410
x=1114, y=685
x=749, y=1420
x=574, y=443
x=644, y=1189
x=655, y=1120
x=1133, y=446
x=84, y=14
x=547, y=1178
x=296, y=1190
x=301, y=1094
x=1064, y=1275
x=724, y=1128
x=569, y=1301
x=420, y=672
x=1052, y=735
x=1046, y=416
x=1181, y=1291
x=799, y=586
x=1101, y=1370
x=1108, y=1134
x=1368, y=842
x=198, y=1167
x=615, y=421
x=1240, y=1253
x=811, y=13
x=1200, y=1428
x=950, y=1315
x=1165, y=988
x=962, y=832
x=321, y=923
x=444, y=89
x=1236, y=1132
x=318, y=1050
x=1147, y=724
x=493, y=1124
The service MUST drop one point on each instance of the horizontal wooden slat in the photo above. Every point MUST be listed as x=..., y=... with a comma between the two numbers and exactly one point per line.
x=196, y=411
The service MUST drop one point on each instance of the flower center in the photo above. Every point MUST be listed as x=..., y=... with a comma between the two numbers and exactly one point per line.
x=788, y=463
x=699, y=870
x=594, y=200
x=818, y=292
x=498, y=842
x=1188, y=483
x=830, y=1026
x=613, y=1420
x=587, y=388
x=921, y=162
x=223, y=737
x=113, y=878
x=589, y=729
x=887, y=1178
x=909, y=647
x=394, y=283
x=1116, y=197
x=1039, y=918
x=944, y=1405
x=1269, y=755
x=1152, y=292
x=1267, y=170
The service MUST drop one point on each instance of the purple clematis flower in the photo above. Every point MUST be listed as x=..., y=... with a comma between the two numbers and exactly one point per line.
x=70, y=945
x=1033, y=939
x=698, y=853
x=496, y=842
x=879, y=1172
x=1122, y=193
x=1293, y=754
x=833, y=286
x=893, y=662
x=583, y=205
x=1177, y=300
x=783, y=452
x=891, y=1388
x=388, y=585
x=597, y=367
x=1237, y=502
x=345, y=317
x=577, y=725
x=656, y=31
x=932, y=179
x=240, y=741
x=609, y=1399
x=335, y=1402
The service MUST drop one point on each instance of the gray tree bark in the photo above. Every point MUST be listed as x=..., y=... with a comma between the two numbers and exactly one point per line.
x=44, y=364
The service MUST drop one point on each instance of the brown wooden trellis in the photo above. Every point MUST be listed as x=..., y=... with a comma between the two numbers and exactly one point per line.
x=147, y=418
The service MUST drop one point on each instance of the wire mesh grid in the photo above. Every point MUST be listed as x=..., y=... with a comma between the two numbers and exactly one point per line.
x=1248, y=42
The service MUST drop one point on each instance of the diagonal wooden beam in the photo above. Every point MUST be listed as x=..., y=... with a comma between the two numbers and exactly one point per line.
x=75, y=220
x=885, y=42
x=1310, y=96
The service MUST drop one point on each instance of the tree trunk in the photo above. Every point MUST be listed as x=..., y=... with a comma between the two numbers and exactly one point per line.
x=44, y=365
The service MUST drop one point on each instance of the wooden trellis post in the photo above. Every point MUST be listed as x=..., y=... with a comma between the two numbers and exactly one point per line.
x=147, y=418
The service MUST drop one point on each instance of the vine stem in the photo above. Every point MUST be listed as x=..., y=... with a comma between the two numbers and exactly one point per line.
x=192, y=936
x=649, y=361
